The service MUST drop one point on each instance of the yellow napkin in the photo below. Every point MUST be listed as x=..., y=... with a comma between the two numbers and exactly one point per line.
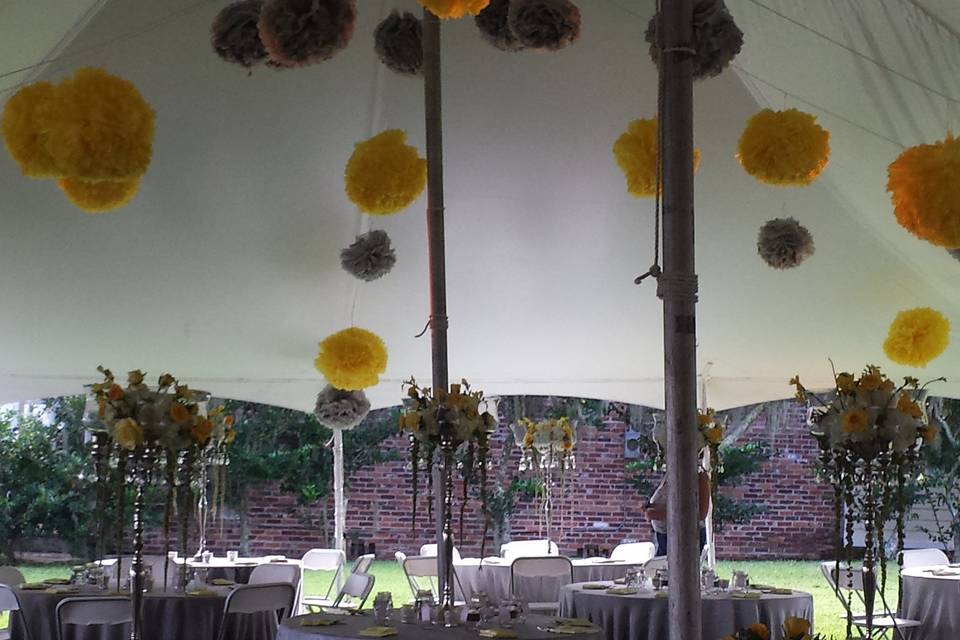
x=570, y=630
x=593, y=586
x=222, y=582
x=378, y=632
x=498, y=633
x=33, y=586
x=203, y=593
x=781, y=592
x=318, y=622
x=63, y=590
x=747, y=595
x=574, y=622
x=57, y=581
x=761, y=587
x=622, y=591
x=662, y=594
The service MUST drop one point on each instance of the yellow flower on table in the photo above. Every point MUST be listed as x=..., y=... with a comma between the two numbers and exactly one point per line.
x=128, y=434
x=845, y=383
x=796, y=629
x=871, y=379
x=714, y=435
x=135, y=377
x=179, y=412
x=854, y=420
x=929, y=432
x=760, y=630
x=908, y=406
x=201, y=430
x=115, y=392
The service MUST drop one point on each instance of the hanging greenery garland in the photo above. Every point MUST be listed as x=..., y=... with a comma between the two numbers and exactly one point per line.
x=398, y=42
x=784, y=243
x=384, y=174
x=337, y=409
x=636, y=154
x=924, y=184
x=297, y=33
x=492, y=23
x=717, y=39
x=352, y=359
x=234, y=34
x=370, y=257
x=454, y=9
x=544, y=24
x=99, y=196
x=784, y=148
x=917, y=336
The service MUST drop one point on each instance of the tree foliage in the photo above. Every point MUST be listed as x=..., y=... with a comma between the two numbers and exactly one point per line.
x=938, y=487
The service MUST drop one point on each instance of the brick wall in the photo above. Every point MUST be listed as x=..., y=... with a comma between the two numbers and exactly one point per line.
x=798, y=523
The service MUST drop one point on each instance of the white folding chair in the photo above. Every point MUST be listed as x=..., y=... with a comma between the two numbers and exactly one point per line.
x=923, y=558
x=357, y=589
x=273, y=573
x=258, y=598
x=634, y=552
x=9, y=602
x=362, y=564
x=529, y=549
x=92, y=611
x=323, y=560
x=549, y=573
x=884, y=620
x=657, y=562
x=423, y=572
x=11, y=576
x=428, y=550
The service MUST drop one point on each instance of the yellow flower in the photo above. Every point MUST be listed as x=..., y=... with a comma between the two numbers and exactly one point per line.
x=796, y=629
x=229, y=436
x=179, y=413
x=128, y=434
x=845, y=382
x=166, y=380
x=384, y=174
x=929, y=432
x=447, y=9
x=352, y=359
x=228, y=420
x=924, y=184
x=413, y=421
x=871, y=379
x=115, y=392
x=135, y=377
x=636, y=154
x=528, y=440
x=917, y=336
x=785, y=148
x=760, y=630
x=906, y=405
x=801, y=395
x=714, y=435
x=201, y=430
x=703, y=419
x=854, y=420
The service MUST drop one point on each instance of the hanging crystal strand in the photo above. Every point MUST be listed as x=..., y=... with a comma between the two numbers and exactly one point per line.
x=121, y=503
x=136, y=584
x=170, y=476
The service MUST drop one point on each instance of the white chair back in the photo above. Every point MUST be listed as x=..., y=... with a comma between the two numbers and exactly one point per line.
x=635, y=552
x=92, y=611
x=850, y=581
x=654, y=563
x=363, y=563
x=274, y=573
x=529, y=549
x=421, y=573
x=257, y=598
x=431, y=550
x=923, y=558
x=11, y=576
x=326, y=560
x=357, y=588
x=539, y=580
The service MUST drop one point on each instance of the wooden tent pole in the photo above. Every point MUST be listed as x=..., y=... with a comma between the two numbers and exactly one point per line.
x=437, y=258
x=678, y=289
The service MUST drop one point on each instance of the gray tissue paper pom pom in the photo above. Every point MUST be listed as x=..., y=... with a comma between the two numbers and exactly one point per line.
x=337, y=409
x=234, y=34
x=716, y=38
x=544, y=24
x=784, y=243
x=370, y=256
x=398, y=42
x=492, y=23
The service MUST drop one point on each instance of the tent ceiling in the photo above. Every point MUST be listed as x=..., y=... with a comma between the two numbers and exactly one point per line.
x=225, y=269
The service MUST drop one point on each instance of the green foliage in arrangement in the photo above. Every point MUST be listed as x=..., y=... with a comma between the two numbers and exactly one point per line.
x=938, y=487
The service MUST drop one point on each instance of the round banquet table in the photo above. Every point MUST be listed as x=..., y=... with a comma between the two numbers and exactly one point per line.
x=350, y=627
x=493, y=575
x=166, y=616
x=238, y=571
x=644, y=615
x=932, y=595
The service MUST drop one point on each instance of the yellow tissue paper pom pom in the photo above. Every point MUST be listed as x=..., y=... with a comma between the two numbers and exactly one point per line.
x=352, y=359
x=917, y=336
x=924, y=183
x=448, y=9
x=99, y=127
x=99, y=196
x=384, y=174
x=23, y=131
x=785, y=148
x=636, y=154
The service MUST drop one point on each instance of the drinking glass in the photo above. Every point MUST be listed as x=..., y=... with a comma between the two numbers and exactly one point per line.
x=232, y=556
x=206, y=557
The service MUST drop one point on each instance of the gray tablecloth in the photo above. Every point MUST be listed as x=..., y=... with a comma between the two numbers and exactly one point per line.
x=291, y=629
x=643, y=616
x=934, y=601
x=493, y=576
x=165, y=617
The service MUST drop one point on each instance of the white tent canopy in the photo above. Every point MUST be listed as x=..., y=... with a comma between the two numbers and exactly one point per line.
x=225, y=269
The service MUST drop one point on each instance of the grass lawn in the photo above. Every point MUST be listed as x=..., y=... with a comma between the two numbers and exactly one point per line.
x=803, y=576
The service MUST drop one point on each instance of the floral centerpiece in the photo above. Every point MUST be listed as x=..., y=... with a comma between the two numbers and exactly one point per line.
x=869, y=430
x=758, y=631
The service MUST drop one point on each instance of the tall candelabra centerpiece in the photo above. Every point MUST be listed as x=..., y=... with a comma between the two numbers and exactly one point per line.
x=870, y=431
x=144, y=435
x=450, y=429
